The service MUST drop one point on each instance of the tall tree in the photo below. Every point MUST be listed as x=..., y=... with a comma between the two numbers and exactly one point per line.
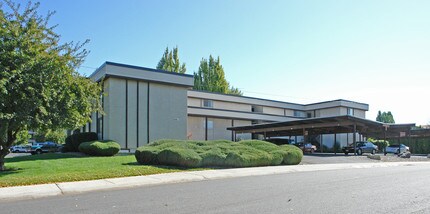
x=211, y=77
x=39, y=85
x=385, y=117
x=170, y=61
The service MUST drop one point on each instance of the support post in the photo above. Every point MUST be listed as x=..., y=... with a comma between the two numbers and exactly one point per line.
x=334, y=145
x=385, y=140
x=354, y=139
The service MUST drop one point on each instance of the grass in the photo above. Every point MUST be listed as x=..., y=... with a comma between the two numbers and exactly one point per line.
x=55, y=167
x=220, y=153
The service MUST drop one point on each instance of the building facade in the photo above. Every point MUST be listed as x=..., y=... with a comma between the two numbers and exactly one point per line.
x=142, y=105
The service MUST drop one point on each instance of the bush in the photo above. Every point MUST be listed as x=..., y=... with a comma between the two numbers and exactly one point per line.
x=293, y=155
x=219, y=153
x=179, y=157
x=73, y=141
x=100, y=148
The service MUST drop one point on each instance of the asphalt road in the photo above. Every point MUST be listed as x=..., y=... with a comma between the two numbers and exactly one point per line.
x=375, y=190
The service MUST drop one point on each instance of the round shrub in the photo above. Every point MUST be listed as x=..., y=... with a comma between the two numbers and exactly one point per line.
x=179, y=157
x=293, y=155
x=213, y=157
x=147, y=155
x=100, y=148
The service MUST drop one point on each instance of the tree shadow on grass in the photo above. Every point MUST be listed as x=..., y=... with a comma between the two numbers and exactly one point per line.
x=10, y=171
x=47, y=156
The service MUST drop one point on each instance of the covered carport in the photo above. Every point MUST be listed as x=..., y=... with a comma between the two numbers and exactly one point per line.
x=328, y=125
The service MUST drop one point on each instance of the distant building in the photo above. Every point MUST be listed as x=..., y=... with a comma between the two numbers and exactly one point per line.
x=142, y=105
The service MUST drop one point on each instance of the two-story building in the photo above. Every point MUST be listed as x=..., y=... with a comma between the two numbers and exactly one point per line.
x=142, y=105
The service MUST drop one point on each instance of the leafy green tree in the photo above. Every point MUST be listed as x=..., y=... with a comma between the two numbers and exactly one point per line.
x=170, y=62
x=57, y=136
x=39, y=85
x=211, y=77
x=385, y=117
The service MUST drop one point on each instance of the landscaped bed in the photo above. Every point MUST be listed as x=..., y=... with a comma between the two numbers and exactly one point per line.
x=220, y=153
x=56, y=167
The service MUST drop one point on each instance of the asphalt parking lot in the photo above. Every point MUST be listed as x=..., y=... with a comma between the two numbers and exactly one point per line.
x=331, y=158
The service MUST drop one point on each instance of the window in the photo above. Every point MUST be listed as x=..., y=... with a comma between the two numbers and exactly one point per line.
x=299, y=113
x=350, y=111
x=208, y=103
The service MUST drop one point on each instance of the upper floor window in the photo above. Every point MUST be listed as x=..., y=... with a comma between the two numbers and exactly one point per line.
x=208, y=104
x=299, y=113
x=350, y=111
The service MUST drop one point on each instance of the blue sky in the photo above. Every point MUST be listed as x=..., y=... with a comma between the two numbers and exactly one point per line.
x=376, y=52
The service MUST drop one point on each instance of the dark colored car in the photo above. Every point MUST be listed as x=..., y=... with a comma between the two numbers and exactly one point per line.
x=361, y=147
x=45, y=147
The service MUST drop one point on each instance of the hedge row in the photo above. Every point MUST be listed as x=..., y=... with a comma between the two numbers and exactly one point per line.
x=221, y=153
x=100, y=148
x=418, y=145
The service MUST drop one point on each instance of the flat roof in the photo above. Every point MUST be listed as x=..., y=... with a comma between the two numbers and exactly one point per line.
x=118, y=70
x=327, y=125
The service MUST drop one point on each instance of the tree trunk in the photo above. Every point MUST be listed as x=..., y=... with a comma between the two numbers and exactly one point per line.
x=3, y=153
x=2, y=167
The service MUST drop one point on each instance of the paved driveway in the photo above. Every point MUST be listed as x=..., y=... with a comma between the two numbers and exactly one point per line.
x=327, y=158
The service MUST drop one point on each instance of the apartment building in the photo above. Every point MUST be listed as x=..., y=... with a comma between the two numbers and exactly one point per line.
x=210, y=114
x=142, y=105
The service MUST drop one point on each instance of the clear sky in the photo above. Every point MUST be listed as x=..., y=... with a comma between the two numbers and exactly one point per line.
x=376, y=52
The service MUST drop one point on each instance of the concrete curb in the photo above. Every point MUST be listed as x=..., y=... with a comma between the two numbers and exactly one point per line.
x=44, y=190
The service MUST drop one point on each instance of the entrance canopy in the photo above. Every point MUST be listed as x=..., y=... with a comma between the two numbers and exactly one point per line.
x=328, y=125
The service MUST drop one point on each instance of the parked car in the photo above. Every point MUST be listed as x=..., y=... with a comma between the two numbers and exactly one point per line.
x=45, y=147
x=361, y=147
x=395, y=149
x=308, y=147
x=16, y=149
x=280, y=141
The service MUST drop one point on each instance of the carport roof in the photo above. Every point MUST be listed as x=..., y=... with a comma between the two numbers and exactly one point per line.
x=327, y=125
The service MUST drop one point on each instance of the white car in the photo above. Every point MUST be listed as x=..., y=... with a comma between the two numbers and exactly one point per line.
x=17, y=149
x=395, y=149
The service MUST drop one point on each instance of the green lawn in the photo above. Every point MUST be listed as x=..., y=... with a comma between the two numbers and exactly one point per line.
x=50, y=168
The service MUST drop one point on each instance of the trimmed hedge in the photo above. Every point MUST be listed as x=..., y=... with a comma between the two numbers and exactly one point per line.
x=100, y=148
x=73, y=141
x=221, y=153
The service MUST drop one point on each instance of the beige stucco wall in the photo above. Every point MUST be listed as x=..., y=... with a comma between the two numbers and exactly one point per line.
x=132, y=114
x=114, y=119
x=143, y=113
x=194, y=102
x=167, y=112
x=196, y=128
x=289, y=112
x=272, y=110
x=328, y=112
x=126, y=108
x=219, y=129
x=232, y=106
x=359, y=113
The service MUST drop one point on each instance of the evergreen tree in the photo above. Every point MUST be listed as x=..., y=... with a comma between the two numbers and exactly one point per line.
x=170, y=62
x=385, y=117
x=211, y=77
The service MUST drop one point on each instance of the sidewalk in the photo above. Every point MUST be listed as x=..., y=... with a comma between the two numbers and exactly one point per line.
x=44, y=190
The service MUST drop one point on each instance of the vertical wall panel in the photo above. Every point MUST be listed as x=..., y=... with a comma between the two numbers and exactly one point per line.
x=168, y=112
x=132, y=114
x=143, y=113
x=116, y=114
